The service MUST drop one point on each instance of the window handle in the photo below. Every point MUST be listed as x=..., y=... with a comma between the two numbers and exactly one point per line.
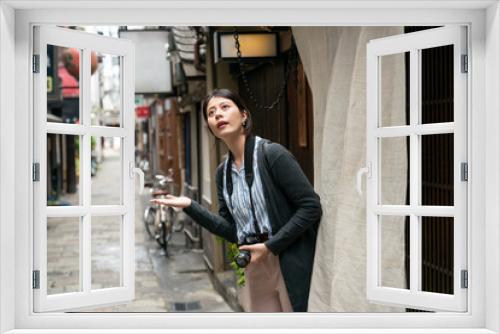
x=135, y=170
x=365, y=170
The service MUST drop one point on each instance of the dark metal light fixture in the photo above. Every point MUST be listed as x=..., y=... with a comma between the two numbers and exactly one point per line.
x=253, y=46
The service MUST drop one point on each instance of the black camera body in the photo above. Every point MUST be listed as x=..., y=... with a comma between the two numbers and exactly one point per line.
x=244, y=256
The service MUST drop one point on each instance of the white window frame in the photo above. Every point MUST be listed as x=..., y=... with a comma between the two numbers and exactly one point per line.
x=85, y=210
x=17, y=18
x=414, y=296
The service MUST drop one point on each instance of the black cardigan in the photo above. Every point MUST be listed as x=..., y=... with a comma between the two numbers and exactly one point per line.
x=294, y=211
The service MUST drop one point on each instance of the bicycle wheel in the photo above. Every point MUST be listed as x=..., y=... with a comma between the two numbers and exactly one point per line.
x=161, y=238
x=169, y=223
x=178, y=223
x=149, y=221
x=159, y=228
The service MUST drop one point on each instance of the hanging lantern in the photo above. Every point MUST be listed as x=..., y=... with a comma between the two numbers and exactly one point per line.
x=71, y=60
x=253, y=46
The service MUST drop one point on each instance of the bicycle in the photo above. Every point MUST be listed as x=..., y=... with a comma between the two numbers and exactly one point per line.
x=159, y=219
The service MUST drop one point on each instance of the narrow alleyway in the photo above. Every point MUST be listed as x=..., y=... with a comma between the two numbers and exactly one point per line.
x=176, y=283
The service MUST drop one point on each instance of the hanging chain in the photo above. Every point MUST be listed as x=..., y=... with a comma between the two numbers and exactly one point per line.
x=291, y=65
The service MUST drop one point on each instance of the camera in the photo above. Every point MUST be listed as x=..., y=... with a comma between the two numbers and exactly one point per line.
x=244, y=256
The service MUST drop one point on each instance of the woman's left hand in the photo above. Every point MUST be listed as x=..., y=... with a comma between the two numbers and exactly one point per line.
x=258, y=252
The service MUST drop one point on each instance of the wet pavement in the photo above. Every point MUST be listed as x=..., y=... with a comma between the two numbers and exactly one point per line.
x=177, y=283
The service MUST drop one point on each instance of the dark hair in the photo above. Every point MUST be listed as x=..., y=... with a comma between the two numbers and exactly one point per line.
x=228, y=94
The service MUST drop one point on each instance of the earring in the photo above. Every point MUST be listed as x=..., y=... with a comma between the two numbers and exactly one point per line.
x=244, y=123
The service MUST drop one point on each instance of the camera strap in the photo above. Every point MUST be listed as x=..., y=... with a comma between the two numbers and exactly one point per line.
x=248, y=154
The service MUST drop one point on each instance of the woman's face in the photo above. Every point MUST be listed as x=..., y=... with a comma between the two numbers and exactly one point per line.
x=225, y=118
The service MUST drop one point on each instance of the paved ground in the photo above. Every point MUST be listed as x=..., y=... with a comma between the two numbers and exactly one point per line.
x=177, y=283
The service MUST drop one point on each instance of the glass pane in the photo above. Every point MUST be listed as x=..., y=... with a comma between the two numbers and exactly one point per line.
x=393, y=171
x=394, y=251
x=437, y=84
x=437, y=169
x=106, y=252
x=63, y=255
x=106, y=170
x=105, y=89
x=393, y=80
x=63, y=170
x=63, y=84
x=437, y=254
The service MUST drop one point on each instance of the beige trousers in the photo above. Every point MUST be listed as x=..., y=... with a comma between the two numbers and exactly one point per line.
x=264, y=289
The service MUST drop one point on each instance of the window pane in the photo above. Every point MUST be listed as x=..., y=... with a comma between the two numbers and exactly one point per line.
x=63, y=84
x=437, y=254
x=437, y=84
x=106, y=170
x=106, y=252
x=105, y=89
x=393, y=170
x=437, y=169
x=63, y=255
x=392, y=92
x=63, y=170
x=394, y=252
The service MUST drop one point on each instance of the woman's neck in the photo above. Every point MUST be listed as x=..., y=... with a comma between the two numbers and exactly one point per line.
x=237, y=148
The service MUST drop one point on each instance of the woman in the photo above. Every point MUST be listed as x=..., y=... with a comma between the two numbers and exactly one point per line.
x=276, y=221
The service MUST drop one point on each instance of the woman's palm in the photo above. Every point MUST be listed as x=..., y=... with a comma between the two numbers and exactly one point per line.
x=173, y=201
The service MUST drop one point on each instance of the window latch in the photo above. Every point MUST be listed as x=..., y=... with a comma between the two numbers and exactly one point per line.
x=365, y=170
x=134, y=170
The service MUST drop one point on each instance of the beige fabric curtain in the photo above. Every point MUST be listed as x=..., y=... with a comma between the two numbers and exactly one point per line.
x=334, y=60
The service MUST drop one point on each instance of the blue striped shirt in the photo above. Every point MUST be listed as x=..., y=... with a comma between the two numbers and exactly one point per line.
x=240, y=206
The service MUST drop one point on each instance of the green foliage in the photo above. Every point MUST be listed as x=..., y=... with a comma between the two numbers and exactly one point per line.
x=240, y=273
x=232, y=251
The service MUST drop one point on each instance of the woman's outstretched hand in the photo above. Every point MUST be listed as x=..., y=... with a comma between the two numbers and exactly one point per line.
x=173, y=201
